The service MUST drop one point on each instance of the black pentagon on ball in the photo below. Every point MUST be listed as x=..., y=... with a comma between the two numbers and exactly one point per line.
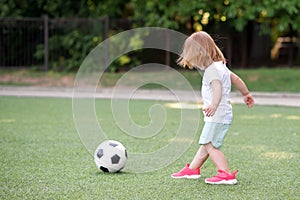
x=100, y=153
x=115, y=159
x=113, y=144
x=104, y=169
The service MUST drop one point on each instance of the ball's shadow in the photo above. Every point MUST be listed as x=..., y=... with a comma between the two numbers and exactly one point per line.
x=120, y=173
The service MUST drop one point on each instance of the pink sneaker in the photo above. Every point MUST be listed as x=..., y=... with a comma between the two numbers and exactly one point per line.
x=222, y=178
x=186, y=172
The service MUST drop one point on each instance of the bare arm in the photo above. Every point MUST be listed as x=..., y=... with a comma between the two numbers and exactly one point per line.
x=241, y=86
x=216, y=98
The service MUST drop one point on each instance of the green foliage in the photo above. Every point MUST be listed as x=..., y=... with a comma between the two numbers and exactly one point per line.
x=130, y=45
x=38, y=8
x=65, y=8
x=277, y=18
x=156, y=12
x=114, y=9
x=281, y=16
x=68, y=51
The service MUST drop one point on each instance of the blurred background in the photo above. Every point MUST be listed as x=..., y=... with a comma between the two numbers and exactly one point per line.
x=57, y=35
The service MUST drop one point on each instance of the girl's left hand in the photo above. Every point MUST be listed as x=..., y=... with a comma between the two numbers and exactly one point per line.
x=210, y=110
x=249, y=100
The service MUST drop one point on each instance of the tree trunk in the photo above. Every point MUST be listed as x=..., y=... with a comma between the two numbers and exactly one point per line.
x=247, y=37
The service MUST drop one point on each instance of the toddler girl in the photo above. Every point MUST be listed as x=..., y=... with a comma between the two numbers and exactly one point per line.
x=201, y=52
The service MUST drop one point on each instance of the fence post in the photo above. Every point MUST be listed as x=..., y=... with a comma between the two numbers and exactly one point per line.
x=106, y=35
x=167, y=36
x=46, y=39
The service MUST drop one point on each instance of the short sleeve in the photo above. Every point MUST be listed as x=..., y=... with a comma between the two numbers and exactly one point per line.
x=211, y=73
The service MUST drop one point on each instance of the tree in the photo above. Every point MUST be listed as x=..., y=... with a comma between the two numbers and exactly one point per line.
x=64, y=8
x=280, y=16
x=277, y=18
x=38, y=8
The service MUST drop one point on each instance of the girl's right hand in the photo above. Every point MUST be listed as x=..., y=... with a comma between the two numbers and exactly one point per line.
x=210, y=110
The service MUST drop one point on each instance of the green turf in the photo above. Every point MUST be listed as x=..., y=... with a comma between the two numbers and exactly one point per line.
x=261, y=79
x=42, y=156
x=271, y=79
x=257, y=79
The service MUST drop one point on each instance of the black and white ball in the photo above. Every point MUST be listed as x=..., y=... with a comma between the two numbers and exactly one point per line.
x=110, y=156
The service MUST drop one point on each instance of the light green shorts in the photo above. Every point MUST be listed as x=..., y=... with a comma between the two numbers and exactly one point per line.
x=214, y=133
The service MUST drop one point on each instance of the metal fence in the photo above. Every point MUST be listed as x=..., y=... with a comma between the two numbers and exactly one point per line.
x=59, y=44
x=62, y=44
x=37, y=42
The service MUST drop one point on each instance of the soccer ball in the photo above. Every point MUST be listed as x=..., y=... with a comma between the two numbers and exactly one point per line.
x=110, y=156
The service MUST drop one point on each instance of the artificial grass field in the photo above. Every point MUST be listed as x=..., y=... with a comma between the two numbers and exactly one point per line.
x=42, y=156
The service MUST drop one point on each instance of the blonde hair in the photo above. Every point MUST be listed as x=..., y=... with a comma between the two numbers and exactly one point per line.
x=200, y=50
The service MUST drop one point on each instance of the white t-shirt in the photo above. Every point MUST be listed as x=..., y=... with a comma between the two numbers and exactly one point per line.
x=217, y=71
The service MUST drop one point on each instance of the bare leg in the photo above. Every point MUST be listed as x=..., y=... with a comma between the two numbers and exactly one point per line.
x=217, y=157
x=200, y=157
